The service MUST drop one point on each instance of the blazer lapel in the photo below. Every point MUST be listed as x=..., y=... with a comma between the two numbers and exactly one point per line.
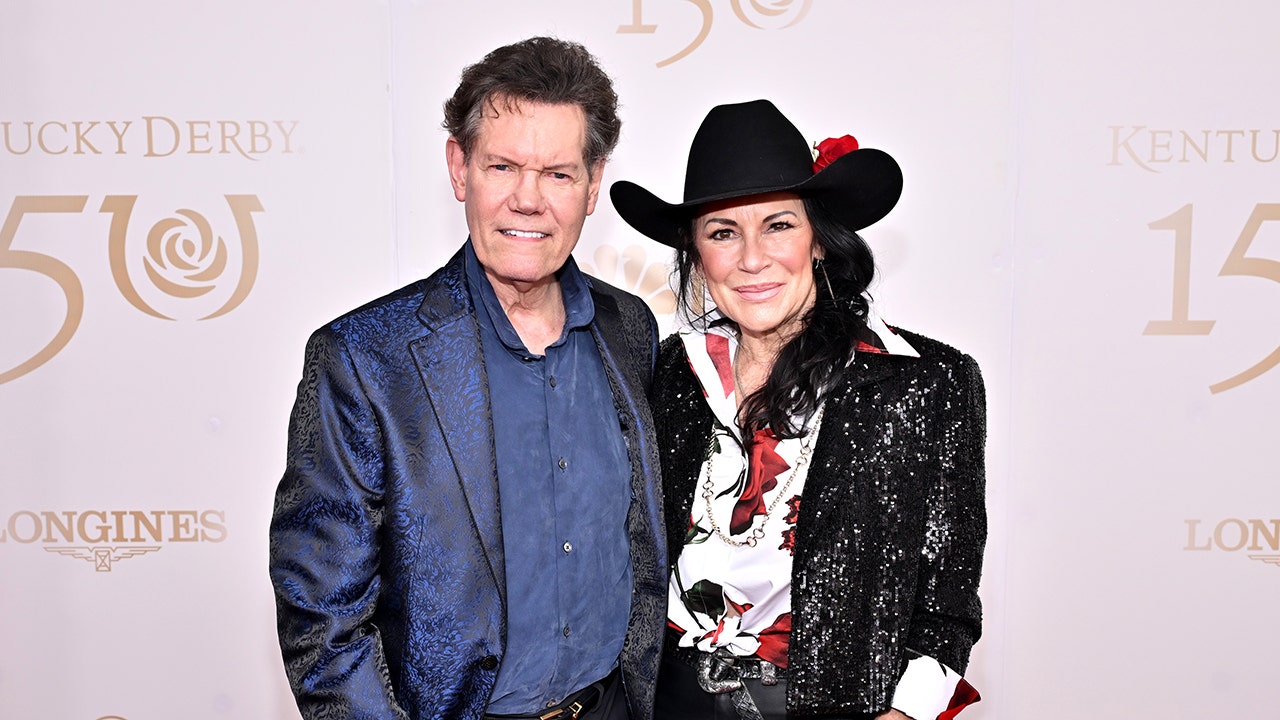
x=629, y=370
x=870, y=367
x=609, y=340
x=623, y=377
x=852, y=403
x=451, y=362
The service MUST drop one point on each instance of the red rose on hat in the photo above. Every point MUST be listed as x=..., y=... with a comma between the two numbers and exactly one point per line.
x=832, y=148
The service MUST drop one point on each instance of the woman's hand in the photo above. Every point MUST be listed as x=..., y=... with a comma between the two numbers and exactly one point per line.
x=894, y=715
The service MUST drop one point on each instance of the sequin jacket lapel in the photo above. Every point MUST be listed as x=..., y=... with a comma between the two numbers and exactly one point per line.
x=892, y=523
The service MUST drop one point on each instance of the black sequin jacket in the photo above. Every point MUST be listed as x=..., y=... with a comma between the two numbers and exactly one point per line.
x=892, y=524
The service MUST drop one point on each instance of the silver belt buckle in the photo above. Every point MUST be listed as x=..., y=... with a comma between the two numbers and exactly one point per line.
x=716, y=673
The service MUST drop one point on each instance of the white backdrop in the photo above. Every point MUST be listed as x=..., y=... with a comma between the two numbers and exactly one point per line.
x=1073, y=173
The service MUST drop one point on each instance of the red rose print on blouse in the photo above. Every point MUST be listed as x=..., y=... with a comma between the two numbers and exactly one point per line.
x=789, y=535
x=763, y=468
x=774, y=641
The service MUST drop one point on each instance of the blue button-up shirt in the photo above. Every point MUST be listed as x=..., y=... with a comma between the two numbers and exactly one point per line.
x=564, y=483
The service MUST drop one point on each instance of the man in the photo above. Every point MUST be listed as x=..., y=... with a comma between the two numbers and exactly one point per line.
x=468, y=523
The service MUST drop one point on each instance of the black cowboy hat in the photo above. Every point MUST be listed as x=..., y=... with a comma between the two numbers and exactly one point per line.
x=749, y=149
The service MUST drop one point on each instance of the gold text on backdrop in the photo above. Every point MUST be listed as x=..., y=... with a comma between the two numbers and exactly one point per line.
x=1148, y=148
x=753, y=13
x=1237, y=534
x=105, y=536
x=153, y=136
x=1237, y=263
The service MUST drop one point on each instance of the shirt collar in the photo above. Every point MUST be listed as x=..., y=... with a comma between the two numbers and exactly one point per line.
x=711, y=351
x=575, y=290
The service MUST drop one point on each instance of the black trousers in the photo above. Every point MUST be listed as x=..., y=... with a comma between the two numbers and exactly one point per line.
x=681, y=698
x=612, y=705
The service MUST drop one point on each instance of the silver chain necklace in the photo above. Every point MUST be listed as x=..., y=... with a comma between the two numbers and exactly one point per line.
x=758, y=531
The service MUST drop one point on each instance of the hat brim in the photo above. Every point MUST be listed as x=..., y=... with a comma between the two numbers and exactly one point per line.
x=859, y=189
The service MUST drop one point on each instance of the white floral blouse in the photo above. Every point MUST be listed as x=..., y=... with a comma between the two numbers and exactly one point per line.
x=736, y=594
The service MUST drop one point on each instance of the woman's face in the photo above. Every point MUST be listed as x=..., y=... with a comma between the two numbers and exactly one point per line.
x=756, y=254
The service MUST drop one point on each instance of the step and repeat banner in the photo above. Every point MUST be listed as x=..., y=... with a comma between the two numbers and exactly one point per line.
x=1091, y=209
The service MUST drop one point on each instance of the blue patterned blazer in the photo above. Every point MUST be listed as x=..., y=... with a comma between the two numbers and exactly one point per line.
x=386, y=543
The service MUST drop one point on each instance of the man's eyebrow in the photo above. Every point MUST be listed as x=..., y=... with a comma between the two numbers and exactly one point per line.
x=496, y=159
x=564, y=167
x=499, y=159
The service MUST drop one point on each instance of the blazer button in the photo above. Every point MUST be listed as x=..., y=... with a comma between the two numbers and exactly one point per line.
x=489, y=662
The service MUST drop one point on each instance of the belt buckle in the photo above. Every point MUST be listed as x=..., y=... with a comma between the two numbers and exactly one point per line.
x=717, y=674
x=573, y=710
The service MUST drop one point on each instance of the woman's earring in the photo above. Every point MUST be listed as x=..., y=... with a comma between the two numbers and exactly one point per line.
x=819, y=265
x=700, y=295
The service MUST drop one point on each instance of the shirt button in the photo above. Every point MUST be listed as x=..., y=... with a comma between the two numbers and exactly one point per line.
x=563, y=463
x=489, y=662
x=553, y=381
x=568, y=547
x=566, y=631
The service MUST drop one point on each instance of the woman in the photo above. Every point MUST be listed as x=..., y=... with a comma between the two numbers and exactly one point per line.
x=823, y=473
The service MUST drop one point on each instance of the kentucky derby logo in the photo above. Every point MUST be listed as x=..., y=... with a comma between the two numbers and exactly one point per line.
x=759, y=14
x=631, y=270
x=184, y=264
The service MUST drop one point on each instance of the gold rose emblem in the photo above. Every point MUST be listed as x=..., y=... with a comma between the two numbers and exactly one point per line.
x=775, y=14
x=182, y=265
x=184, y=257
x=631, y=271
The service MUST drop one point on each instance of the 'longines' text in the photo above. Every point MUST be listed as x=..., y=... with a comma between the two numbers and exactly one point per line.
x=114, y=526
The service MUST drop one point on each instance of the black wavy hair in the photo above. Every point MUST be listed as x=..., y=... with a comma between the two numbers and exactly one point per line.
x=811, y=362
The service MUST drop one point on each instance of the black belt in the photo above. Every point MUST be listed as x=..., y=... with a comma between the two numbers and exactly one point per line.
x=722, y=673
x=573, y=707
x=746, y=667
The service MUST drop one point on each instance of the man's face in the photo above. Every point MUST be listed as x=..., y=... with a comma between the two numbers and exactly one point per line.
x=526, y=189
